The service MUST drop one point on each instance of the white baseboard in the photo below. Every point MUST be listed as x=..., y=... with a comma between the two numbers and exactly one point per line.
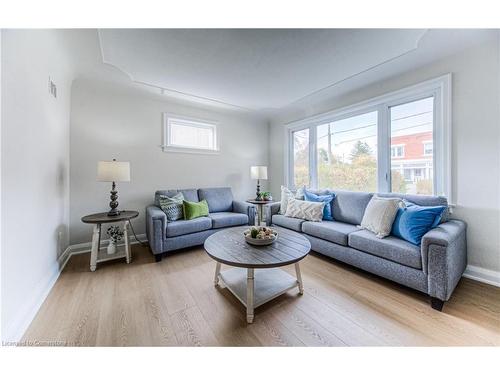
x=85, y=247
x=483, y=275
x=15, y=330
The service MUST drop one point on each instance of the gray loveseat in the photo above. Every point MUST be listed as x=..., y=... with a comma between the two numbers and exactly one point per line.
x=165, y=236
x=434, y=268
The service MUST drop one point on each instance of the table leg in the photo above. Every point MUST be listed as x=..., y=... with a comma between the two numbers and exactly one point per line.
x=259, y=214
x=96, y=239
x=250, y=295
x=217, y=272
x=299, y=278
x=128, y=254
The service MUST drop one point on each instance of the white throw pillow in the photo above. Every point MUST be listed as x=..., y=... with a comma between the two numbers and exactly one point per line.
x=311, y=211
x=380, y=214
x=286, y=194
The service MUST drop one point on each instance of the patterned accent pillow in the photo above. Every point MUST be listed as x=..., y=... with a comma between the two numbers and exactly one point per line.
x=327, y=199
x=380, y=214
x=311, y=211
x=287, y=194
x=172, y=206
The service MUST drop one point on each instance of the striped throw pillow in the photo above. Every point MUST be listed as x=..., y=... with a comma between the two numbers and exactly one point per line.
x=172, y=206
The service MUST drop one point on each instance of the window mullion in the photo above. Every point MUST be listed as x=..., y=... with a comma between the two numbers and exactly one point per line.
x=383, y=150
x=313, y=164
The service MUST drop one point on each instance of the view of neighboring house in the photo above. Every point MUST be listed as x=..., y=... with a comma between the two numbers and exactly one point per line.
x=411, y=156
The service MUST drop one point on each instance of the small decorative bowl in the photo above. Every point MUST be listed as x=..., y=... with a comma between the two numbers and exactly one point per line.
x=260, y=241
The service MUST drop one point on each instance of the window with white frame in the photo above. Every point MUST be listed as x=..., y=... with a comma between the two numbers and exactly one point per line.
x=397, y=142
x=428, y=150
x=188, y=134
x=397, y=151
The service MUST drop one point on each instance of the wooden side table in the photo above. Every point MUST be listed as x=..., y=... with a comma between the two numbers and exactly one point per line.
x=260, y=208
x=102, y=218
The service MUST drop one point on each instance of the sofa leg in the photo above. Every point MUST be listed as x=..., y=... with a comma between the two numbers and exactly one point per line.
x=158, y=257
x=437, y=304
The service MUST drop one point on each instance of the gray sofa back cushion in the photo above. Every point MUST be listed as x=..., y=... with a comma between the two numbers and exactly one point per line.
x=189, y=195
x=219, y=199
x=349, y=206
x=421, y=200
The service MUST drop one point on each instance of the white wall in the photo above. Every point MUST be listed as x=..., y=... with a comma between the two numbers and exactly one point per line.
x=476, y=140
x=35, y=171
x=112, y=122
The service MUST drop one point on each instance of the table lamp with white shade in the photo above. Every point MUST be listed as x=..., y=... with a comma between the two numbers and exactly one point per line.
x=113, y=171
x=258, y=173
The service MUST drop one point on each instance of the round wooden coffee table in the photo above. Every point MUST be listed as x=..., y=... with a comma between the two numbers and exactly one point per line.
x=262, y=280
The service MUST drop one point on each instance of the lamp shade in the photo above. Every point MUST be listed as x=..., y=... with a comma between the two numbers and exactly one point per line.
x=258, y=172
x=113, y=171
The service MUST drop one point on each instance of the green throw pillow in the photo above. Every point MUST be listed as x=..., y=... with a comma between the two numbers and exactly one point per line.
x=192, y=210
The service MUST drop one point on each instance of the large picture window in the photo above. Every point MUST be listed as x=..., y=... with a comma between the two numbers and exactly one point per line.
x=398, y=142
x=301, y=157
x=347, y=153
x=412, y=125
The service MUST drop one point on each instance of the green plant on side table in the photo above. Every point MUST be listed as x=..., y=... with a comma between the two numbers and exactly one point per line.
x=266, y=196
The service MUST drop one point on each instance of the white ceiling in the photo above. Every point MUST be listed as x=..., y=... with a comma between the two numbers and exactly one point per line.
x=252, y=68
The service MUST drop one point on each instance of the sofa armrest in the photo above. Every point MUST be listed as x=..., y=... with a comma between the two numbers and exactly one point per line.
x=245, y=208
x=444, y=257
x=156, y=228
x=270, y=210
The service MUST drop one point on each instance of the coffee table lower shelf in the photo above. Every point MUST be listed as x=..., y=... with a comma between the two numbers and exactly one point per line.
x=254, y=287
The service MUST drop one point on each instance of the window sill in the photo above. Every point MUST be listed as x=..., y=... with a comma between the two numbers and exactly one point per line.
x=187, y=150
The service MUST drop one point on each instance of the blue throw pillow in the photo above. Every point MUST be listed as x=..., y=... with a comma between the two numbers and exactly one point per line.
x=327, y=199
x=413, y=221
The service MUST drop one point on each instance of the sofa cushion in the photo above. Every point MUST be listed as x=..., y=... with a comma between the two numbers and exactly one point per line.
x=379, y=215
x=189, y=195
x=287, y=222
x=172, y=206
x=228, y=219
x=219, y=199
x=193, y=210
x=391, y=248
x=333, y=231
x=349, y=206
x=287, y=194
x=180, y=227
x=312, y=211
x=423, y=200
x=326, y=198
x=413, y=221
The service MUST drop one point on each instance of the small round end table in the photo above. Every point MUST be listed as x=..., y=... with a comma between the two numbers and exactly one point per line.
x=102, y=218
x=260, y=207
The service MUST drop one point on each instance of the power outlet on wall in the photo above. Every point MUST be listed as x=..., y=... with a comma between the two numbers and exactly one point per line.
x=52, y=88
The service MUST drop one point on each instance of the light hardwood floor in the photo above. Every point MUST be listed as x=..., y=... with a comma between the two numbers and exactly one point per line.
x=174, y=303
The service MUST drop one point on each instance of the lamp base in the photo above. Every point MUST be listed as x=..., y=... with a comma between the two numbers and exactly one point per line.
x=114, y=212
x=258, y=197
x=113, y=201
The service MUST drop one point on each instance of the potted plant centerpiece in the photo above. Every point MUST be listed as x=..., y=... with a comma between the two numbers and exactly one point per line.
x=115, y=235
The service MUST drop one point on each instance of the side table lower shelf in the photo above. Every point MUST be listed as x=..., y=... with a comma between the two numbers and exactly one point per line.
x=103, y=256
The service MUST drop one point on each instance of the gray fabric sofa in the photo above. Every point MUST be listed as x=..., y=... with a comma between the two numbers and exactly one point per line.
x=434, y=268
x=164, y=236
